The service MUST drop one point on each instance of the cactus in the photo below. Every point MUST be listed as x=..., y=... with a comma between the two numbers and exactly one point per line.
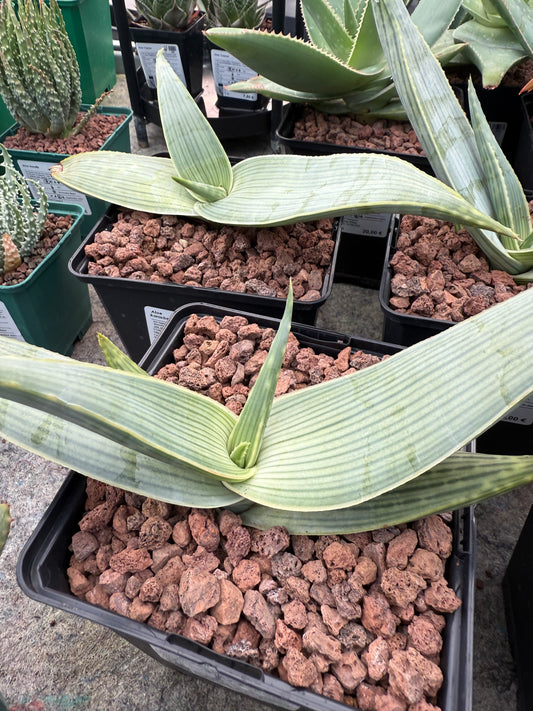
x=39, y=72
x=248, y=14
x=21, y=224
x=166, y=14
x=5, y=523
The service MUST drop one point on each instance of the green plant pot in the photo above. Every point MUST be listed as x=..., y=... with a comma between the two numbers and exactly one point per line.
x=6, y=119
x=88, y=24
x=36, y=165
x=50, y=308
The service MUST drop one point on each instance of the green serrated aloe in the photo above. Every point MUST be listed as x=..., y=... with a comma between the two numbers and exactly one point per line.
x=377, y=446
x=465, y=157
x=166, y=14
x=342, y=67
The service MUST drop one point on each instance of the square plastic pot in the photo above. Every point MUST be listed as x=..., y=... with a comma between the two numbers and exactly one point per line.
x=511, y=435
x=50, y=308
x=42, y=565
x=518, y=600
x=36, y=165
x=88, y=25
x=139, y=309
x=6, y=120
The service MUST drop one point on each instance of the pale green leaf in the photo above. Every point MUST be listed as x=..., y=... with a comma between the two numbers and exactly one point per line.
x=493, y=50
x=124, y=407
x=129, y=180
x=506, y=192
x=459, y=481
x=519, y=17
x=115, y=358
x=252, y=421
x=279, y=189
x=367, y=52
x=364, y=434
x=325, y=28
x=434, y=17
x=194, y=148
x=97, y=457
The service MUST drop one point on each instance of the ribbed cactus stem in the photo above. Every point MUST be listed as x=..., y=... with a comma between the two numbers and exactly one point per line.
x=39, y=72
x=21, y=222
x=5, y=523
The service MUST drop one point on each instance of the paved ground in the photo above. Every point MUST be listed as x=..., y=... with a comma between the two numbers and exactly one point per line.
x=64, y=662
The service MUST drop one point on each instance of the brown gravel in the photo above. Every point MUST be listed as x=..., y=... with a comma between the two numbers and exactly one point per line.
x=91, y=138
x=239, y=259
x=346, y=130
x=55, y=228
x=442, y=274
x=357, y=618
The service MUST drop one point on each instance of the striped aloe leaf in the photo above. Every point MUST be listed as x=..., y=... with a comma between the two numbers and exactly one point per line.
x=383, y=439
x=263, y=190
x=478, y=170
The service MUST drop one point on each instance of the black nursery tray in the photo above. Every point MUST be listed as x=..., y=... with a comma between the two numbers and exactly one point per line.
x=42, y=565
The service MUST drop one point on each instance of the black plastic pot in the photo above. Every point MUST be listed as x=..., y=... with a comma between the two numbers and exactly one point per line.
x=139, y=309
x=517, y=585
x=511, y=435
x=285, y=135
x=362, y=248
x=41, y=571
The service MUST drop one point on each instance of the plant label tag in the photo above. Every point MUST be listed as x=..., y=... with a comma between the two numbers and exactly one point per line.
x=228, y=70
x=147, y=52
x=498, y=129
x=7, y=326
x=374, y=225
x=156, y=320
x=55, y=191
x=521, y=415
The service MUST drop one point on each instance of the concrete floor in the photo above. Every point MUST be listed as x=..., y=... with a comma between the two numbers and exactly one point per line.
x=60, y=661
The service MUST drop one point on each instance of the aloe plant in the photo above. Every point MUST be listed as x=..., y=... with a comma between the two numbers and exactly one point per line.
x=248, y=14
x=497, y=34
x=378, y=446
x=39, y=72
x=21, y=222
x=199, y=181
x=342, y=67
x=166, y=14
x=468, y=158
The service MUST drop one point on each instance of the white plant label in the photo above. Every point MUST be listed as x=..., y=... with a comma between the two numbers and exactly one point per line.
x=228, y=70
x=40, y=172
x=7, y=326
x=156, y=320
x=147, y=52
x=374, y=225
x=521, y=415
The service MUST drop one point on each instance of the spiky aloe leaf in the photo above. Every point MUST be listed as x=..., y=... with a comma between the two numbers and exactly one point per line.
x=166, y=14
x=518, y=16
x=115, y=358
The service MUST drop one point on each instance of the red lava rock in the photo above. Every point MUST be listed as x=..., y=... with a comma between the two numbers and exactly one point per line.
x=229, y=607
x=257, y=611
x=441, y=597
x=435, y=536
x=246, y=574
x=376, y=658
x=316, y=641
x=300, y=670
x=270, y=542
x=130, y=560
x=377, y=616
x=83, y=544
x=411, y=676
x=199, y=590
x=154, y=532
x=428, y=565
x=401, y=586
x=424, y=637
x=401, y=548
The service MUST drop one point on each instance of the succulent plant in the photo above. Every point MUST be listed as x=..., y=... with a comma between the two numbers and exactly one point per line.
x=342, y=67
x=234, y=13
x=468, y=158
x=5, y=524
x=497, y=34
x=21, y=223
x=166, y=14
x=376, y=447
x=39, y=72
x=199, y=181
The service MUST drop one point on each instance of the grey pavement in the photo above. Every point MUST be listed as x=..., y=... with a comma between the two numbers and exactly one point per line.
x=65, y=662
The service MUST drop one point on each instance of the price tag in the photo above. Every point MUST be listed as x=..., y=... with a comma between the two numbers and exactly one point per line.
x=147, y=52
x=521, y=415
x=7, y=326
x=228, y=70
x=156, y=320
x=373, y=225
x=498, y=129
x=40, y=172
